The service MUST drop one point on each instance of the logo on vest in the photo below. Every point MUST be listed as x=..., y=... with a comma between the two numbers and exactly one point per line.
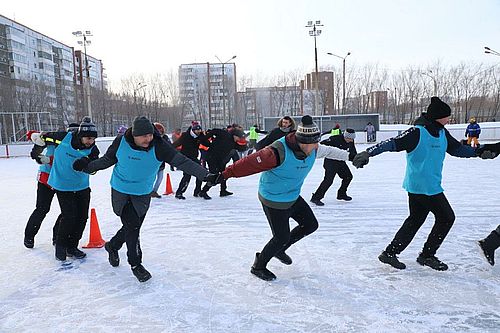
x=134, y=158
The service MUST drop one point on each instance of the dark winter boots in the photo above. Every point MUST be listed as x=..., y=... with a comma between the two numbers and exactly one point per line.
x=154, y=194
x=391, y=259
x=113, y=257
x=489, y=245
x=432, y=261
x=283, y=257
x=204, y=195
x=343, y=196
x=225, y=193
x=259, y=270
x=29, y=242
x=180, y=196
x=141, y=273
x=75, y=253
x=317, y=201
x=60, y=252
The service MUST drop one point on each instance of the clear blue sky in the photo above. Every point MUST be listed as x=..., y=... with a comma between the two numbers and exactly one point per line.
x=269, y=37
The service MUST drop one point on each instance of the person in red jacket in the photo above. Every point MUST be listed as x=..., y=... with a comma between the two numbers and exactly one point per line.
x=284, y=165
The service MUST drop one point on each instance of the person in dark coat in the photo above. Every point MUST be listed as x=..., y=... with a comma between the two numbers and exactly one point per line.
x=72, y=187
x=426, y=145
x=222, y=145
x=190, y=143
x=136, y=157
x=284, y=166
x=334, y=167
x=285, y=126
x=161, y=170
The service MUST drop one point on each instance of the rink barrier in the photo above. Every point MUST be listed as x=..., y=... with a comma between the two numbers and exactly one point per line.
x=489, y=132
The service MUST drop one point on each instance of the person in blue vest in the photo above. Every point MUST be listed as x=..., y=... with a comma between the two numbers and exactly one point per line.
x=284, y=164
x=72, y=187
x=44, y=156
x=426, y=145
x=136, y=157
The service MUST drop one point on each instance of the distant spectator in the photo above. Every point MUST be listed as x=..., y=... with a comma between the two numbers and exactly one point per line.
x=370, y=132
x=472, y=132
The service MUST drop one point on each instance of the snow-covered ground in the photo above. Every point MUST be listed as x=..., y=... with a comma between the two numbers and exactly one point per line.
x=200, y=252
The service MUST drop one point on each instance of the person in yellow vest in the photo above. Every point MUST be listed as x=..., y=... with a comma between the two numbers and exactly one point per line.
x=253, y=136
x=336, y=130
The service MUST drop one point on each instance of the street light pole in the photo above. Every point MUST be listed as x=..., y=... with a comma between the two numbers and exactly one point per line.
x=343, y=77
x=314, y=33
x=86, y=42
x=491, y=51
x=140, y=85
x=224, y=88
x=433, y=80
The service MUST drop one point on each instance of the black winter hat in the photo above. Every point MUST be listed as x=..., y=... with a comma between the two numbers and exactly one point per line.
x=237, y=132
x=87, y=128
x=438, y=109
x=307, y=131
x=142, y=126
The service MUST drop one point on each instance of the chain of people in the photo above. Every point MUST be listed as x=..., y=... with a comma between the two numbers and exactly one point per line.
x=284, y=158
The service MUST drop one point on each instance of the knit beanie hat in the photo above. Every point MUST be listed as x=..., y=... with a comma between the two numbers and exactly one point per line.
x=349, y=133
x=237, y=132
x=87, y=128
x=142, y=126
x=438, y=109
x=308, y=131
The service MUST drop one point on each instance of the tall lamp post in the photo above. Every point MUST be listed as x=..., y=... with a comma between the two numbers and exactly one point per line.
x=343, y=77
x=84, y=41
x=139, y=86
x=224, y=88
x=433, y=80
x=314, y=33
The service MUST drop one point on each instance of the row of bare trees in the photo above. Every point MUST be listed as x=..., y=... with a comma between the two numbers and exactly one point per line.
x=398, y=96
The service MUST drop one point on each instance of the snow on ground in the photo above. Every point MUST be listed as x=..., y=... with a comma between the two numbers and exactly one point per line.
x=200, y=252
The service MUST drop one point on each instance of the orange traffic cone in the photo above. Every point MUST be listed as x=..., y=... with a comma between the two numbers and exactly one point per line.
x=168, y=187
x=95, y=239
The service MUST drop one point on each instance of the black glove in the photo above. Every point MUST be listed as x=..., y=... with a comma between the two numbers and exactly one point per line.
x=486, y=152
x=81, y=163
x=361, y=159
x=213, y=179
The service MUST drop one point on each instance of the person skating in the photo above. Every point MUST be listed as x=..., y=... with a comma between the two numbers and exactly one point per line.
x=284, y=126
x=284, y=166
x=222, y=144
x=136, y=157
x=426, y=145
x=72, y=187
x=489, y=244
x=189, y=141
x=334, y=167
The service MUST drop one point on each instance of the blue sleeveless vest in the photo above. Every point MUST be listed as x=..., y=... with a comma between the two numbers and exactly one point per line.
x=62, y=176
x=424, y=165
x=283, y=183
x=135, y=171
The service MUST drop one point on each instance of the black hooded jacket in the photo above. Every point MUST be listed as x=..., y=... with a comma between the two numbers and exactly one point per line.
x=408, y=140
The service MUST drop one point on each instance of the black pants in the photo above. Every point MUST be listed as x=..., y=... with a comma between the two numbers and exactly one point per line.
x=216, y=165
x=44, y=196
x=420, y=206
x=333, y=168
x=129, y=234
x=279, y=222
x=75, y=212
x=184, y=183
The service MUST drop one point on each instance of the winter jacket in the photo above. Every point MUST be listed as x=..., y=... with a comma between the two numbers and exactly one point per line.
x=473, y=130
x=190, y=144
x=62, y=177
x=221, y=145
x=275, y=134
x=272, y=157
x=339, y=142
x=436, y=138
